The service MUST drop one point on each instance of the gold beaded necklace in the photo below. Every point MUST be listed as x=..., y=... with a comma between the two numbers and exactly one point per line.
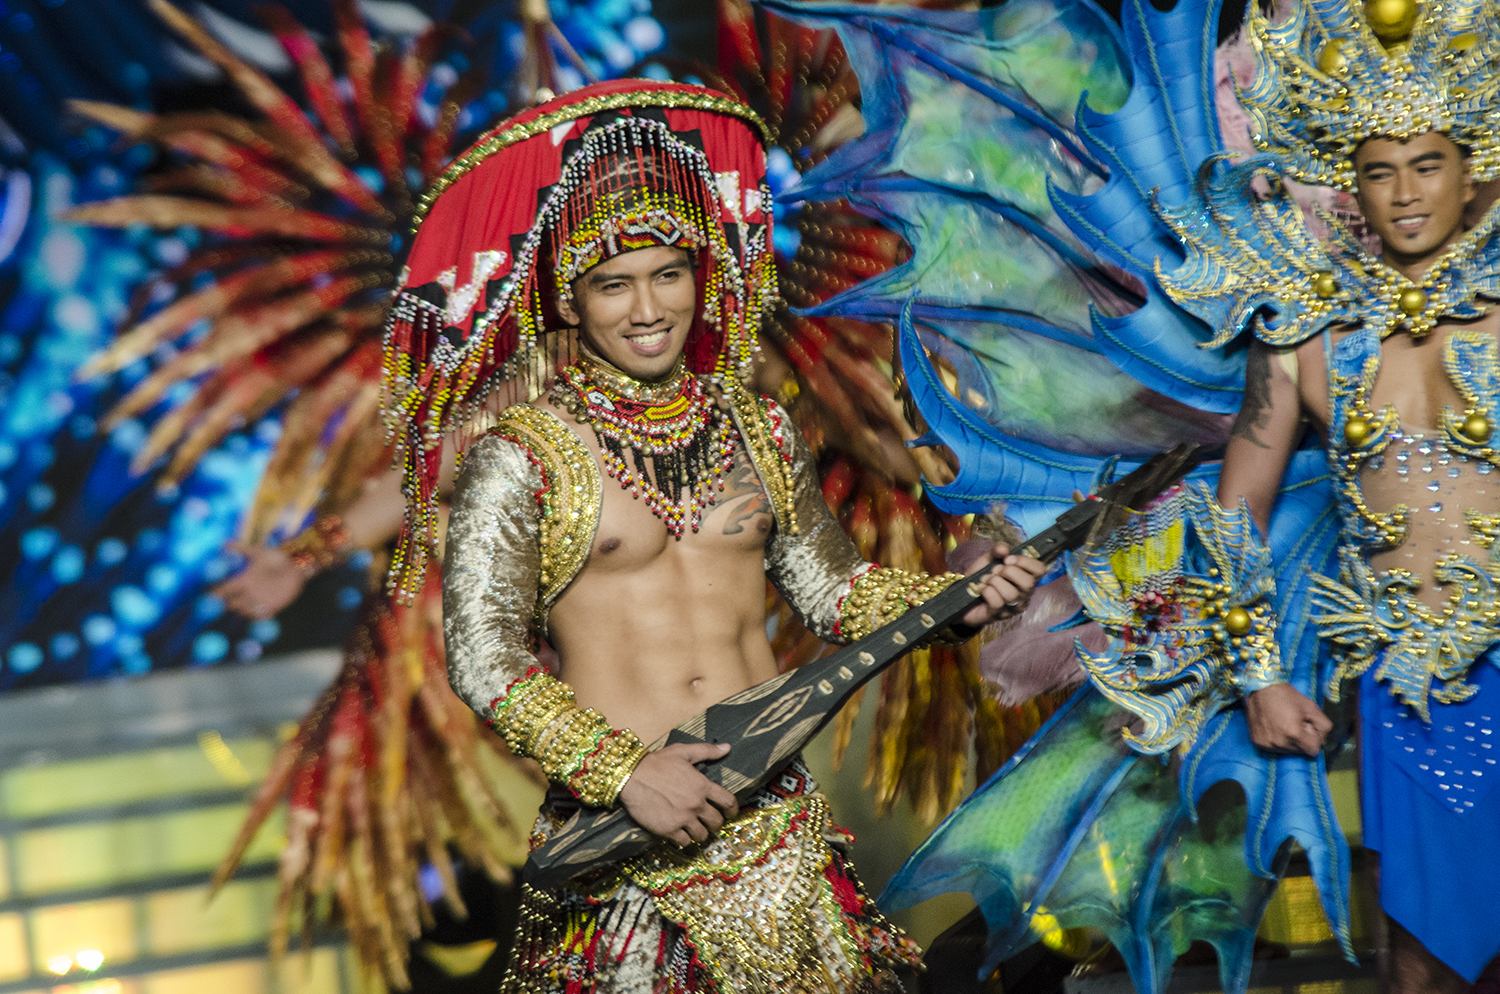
x=673, y=422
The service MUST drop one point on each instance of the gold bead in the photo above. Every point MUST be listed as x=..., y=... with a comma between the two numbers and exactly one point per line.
x=1356, y=430
x=1391, y=20
x=1237, y=621
x=1324, y=285
x=1413, y=301
x=1477, y=428
x=1332, y=59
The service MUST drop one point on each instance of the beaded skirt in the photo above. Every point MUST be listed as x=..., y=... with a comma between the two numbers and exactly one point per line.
x=769, y=904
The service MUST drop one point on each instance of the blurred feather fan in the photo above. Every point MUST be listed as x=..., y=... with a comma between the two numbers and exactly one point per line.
x=300, y=252
x=285, y=300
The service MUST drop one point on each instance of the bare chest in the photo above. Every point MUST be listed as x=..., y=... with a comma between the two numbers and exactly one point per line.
x=631, y=536
x=1419, y=379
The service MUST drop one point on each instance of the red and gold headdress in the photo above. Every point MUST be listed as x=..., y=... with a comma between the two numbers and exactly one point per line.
x=534, y=203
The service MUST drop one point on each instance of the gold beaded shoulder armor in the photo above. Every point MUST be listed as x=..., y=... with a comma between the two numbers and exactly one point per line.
x=568, y=499
x=522, y=521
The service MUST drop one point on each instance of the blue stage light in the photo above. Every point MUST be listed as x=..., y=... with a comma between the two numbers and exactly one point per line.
x=24, y=657
x=68, y=565
x=210, y=647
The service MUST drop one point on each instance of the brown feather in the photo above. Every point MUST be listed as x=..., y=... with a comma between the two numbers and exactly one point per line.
x=222, y=184
x=318, y=82
x=227, y=293
x=143, y=126
x=311, y=156
x=239, y=222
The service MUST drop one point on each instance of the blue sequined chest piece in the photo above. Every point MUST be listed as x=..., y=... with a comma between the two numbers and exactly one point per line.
x=1419, y=590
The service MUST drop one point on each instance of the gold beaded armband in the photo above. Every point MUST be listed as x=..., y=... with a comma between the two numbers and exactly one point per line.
x=539, y=717
x=1251, y=647
x=320, y=545
x=883, y=594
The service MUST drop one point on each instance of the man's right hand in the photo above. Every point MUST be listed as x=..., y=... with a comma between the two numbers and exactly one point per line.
x=669, y=797
x=1283, y=720
x=268, y=583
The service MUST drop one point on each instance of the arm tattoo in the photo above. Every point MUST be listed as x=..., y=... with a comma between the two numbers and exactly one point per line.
x=744, y=483
x=1255, y=409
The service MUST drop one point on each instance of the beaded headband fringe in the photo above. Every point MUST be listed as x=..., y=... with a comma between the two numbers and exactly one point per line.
x=455, y=355
x=1337, y=72
x=632, y=219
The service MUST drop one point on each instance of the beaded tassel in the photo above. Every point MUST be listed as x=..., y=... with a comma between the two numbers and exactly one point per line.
x=688, y=439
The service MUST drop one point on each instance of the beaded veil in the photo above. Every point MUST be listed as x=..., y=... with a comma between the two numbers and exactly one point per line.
x=533, y=204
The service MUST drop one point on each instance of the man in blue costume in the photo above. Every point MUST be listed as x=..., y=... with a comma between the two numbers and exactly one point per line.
x=1377, y=571
x=1403, y=396
x=1413, y=195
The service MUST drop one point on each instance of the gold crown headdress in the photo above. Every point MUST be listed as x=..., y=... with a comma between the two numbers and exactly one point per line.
x=1340, y=71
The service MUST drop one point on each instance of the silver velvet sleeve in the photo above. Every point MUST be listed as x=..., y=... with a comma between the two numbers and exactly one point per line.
x=491, y=572
x=815, y=568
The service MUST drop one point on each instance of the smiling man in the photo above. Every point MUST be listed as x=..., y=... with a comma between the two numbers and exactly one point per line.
x=630, y=516
x=1398, y=373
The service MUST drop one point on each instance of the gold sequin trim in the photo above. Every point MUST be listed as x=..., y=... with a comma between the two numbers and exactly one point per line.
x=1484, y=527
x=1424, y=652
x=505, y=136
x=1391, y=527
x=884, y=594
x=760, y=427
x=539, y=717
x=1472, y=360
x=572, y=490
x=750, y=899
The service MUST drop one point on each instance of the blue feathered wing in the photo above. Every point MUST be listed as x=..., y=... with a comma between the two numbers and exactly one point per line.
x=1018, y=151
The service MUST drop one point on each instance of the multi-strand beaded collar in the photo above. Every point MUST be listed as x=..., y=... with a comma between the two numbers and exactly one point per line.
x=688, y=438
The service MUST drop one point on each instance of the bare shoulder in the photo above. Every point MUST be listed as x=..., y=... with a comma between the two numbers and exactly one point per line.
x=1271, y=394
x=1312, y=375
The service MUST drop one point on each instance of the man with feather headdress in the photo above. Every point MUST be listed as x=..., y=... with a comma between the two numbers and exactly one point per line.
x=603, y=260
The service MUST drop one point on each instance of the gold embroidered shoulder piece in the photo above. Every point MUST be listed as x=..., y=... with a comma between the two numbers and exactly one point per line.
x=884, y=594
x=763, y=425
x=569, y=499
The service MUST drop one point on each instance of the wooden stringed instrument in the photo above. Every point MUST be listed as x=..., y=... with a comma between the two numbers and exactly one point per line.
x=769, y=723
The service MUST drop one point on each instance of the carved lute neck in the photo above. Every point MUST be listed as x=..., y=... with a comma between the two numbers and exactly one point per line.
x=766, y=725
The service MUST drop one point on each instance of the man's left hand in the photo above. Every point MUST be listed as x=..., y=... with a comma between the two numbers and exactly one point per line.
x=1007, y=589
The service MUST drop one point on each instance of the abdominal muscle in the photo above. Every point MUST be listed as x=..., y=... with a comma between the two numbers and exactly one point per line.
x=653, y=648
x=654, y=629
